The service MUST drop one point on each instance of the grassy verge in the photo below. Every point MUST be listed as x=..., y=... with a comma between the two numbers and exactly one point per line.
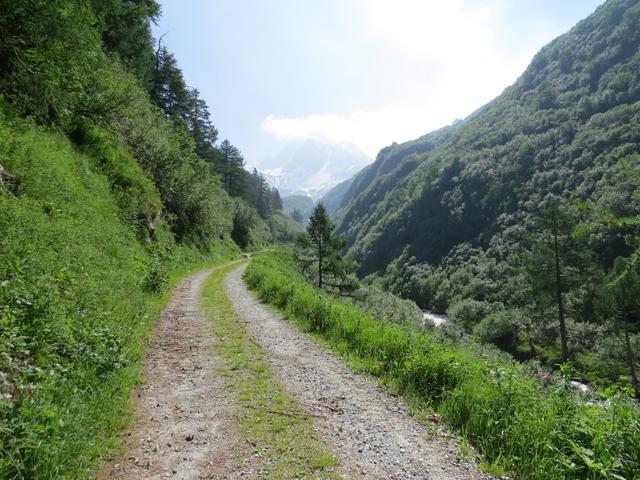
x=271, y=421
x=535, y=431
x=65, y=428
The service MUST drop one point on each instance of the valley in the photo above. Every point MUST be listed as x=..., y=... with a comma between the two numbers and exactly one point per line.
x=459, y=219
x=204, y=273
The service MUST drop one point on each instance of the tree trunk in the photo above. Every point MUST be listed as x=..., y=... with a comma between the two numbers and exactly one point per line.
x=227, y=174
x=631, y=361
x=560, y=299
x=320, y=259
x=8, y=181
x=532, y=347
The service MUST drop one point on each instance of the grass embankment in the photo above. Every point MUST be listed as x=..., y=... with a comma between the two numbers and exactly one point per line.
x=270, y=420
x=79, y=291
x=519, y=425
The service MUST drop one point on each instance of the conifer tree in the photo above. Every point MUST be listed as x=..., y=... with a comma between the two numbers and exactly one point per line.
x=622, y=300
x=318, y=254
x=198, y=121
x=231, y=169
x=296, y=215
x=554, y=265
x=169, y=90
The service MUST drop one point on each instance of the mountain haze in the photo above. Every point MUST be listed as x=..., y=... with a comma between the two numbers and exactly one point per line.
x=312, y=168
x=302, y=203
x=333, y=200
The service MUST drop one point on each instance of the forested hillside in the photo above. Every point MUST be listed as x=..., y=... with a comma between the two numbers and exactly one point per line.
x=391, y=164
x=298, y=206
x=464, y=219
x=112, y=184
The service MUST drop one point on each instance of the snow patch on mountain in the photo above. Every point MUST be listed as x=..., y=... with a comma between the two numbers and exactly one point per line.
x=312, y=168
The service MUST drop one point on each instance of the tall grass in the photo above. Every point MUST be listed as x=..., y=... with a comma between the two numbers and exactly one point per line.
x=518, y=424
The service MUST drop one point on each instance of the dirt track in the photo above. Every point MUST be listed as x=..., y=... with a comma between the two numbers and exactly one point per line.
x=374, y=435
x=184, y=426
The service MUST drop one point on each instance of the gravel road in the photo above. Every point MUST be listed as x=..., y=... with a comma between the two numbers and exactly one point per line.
x=374, y=435
x=183, y=427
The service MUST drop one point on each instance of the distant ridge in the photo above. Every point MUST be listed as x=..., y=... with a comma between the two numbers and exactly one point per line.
x=312, y=168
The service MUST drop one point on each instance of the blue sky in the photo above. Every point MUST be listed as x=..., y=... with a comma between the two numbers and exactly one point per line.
x=365, y=71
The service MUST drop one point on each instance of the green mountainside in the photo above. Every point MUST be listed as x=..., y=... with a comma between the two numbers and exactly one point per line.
x=302, y=203
x=79, y=289
x=448, y=219
x=334, y=198
x=391, y=164
x=559, y=130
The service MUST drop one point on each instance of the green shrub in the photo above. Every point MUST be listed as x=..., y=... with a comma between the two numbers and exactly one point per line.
x=157, y=279
x=498, y=329
x=386, y=307
x=468, y=312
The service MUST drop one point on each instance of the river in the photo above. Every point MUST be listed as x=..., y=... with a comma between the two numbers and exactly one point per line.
x=434, y=317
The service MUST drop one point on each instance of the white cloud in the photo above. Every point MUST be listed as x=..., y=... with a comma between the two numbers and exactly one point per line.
x=428, y=27
x=438, y=61
x=369, y=130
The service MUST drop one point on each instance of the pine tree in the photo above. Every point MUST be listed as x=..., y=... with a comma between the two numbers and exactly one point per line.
x=276, y=201
x=198, y=121
x=168, y=88
x=622, y=300
x=296, y=215
x=555, y=264
x=231, y=169
x=126, y=30
x=318, y=254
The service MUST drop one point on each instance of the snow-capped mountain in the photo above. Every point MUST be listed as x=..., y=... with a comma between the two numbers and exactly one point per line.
x=312, y=168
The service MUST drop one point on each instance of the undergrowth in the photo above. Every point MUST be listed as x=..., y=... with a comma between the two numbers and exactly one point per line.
x=79, y=290
x=518, y=424
x=282, y=435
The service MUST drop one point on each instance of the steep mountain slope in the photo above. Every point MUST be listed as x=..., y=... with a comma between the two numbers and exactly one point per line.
x=312, y=168
x=560, y=131
x=334, y=198
x=392, y=162
x=78, y=290
x=302, y=203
